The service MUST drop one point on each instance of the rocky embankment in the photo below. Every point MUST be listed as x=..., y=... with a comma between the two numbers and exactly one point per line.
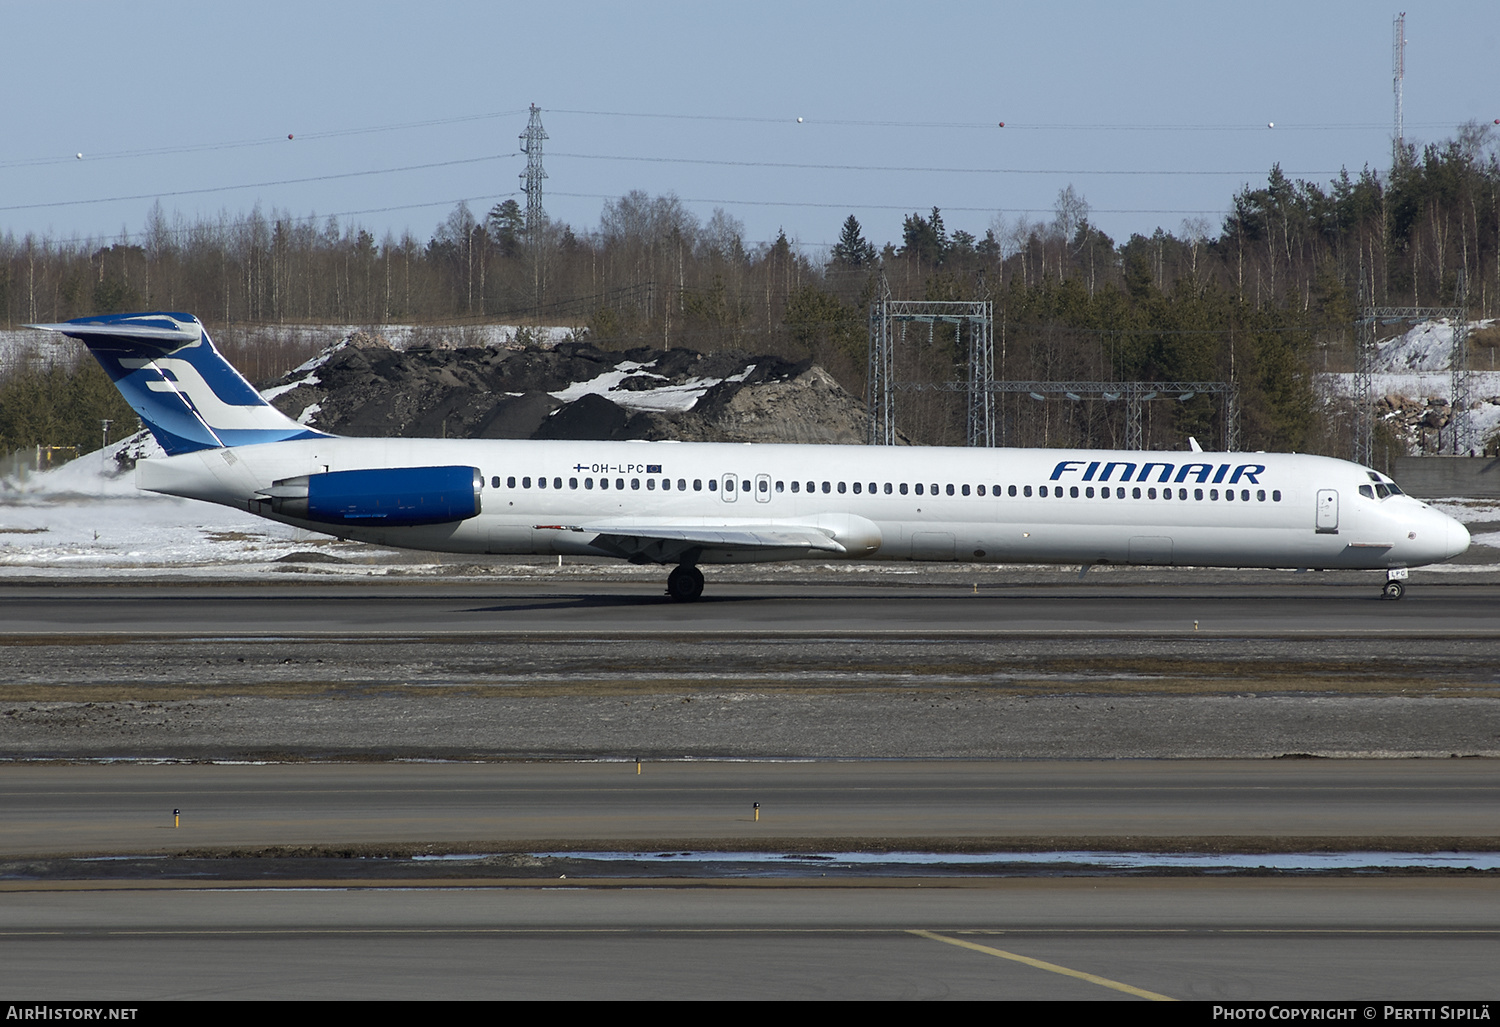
x=364, y=387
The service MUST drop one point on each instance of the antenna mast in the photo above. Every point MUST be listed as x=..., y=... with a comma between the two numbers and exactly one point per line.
x=1398, y=73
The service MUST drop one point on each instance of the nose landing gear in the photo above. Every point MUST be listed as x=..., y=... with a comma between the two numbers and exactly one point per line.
x=685, y=583
x=1394, y=583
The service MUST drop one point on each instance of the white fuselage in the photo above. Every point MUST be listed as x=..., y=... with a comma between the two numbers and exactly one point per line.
x=888, y=503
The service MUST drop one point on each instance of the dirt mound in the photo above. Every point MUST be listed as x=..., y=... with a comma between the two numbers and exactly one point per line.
x=571, y=391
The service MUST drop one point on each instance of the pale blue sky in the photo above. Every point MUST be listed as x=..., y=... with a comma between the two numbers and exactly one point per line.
x=157, y=94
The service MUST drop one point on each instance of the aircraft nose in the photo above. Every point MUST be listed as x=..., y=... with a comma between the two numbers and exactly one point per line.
x=1458, y=539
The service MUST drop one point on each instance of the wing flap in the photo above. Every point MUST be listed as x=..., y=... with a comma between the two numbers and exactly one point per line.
x=638, y=537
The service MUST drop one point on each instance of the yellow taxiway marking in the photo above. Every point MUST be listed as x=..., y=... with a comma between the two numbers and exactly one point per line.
x=1103, y=982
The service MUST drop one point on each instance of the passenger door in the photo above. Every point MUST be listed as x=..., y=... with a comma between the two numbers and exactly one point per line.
x=1328, y=512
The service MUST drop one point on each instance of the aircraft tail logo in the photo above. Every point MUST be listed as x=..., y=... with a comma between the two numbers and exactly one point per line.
x=185, y=392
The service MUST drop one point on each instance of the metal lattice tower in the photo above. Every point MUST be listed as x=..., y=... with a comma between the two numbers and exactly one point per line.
x=1364, y=406
x=1461, y=387
x=531, y=146
x=977, y=315
x=1460, y=401
x=1398, y=74
x=879, y=381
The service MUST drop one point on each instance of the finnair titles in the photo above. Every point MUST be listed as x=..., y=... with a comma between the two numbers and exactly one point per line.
x=685, y=505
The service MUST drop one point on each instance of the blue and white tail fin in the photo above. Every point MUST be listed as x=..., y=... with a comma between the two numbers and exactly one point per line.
x=168, y=370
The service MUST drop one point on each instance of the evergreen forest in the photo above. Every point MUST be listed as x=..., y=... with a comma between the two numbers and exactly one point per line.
x=1267, y=298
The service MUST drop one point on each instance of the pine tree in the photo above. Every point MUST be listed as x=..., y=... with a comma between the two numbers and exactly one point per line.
x=852, y=248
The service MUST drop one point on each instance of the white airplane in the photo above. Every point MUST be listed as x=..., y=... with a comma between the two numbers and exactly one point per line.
x=689, y=504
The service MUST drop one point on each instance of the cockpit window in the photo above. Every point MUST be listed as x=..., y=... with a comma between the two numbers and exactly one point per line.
x=1367, y=492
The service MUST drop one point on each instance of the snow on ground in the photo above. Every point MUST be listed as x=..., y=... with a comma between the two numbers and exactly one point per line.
x=19, y=346
x=1427, y=347
x=666, y=399
x=494, y=336
x=1416, y=365
x=88, y=517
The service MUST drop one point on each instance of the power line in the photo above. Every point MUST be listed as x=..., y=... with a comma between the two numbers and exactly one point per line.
x=881, y=167
x=261, y=185
x=158, y=151
x=1019, y=126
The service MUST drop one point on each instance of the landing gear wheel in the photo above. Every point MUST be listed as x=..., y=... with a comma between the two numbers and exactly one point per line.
x=1393, y=590
x=685, y=584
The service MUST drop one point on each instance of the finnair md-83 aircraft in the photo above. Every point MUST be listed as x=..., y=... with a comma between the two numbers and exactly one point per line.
x=688, y=504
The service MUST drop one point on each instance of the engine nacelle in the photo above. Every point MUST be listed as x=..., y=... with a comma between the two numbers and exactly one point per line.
x=396, y=496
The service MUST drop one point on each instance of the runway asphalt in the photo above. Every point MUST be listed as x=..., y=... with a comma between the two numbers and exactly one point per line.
x=288, y=722
x=1363, y=942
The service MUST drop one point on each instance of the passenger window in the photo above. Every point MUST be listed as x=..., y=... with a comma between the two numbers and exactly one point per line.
x=1198, y=494
x=934, y=488
x=1150, y=493
x=1042, y=491
x=588, y=483
x=1088, y=492
x=1073, y=492
x=919, y=488
x=1229, y=494
x=1260, y=495
x=887, y=488
x=619, y=483
x=681, y=484
x=1012, y=490
x=1028, y=491
x=697, y=484
x=635, y=483
x=526, y=483
x=495, y=482
x=842, y=489
x=572, y=483
x=650, y=484
x=604, y=483
x=781, y=486
x=857, y=488
x=713, y=484
x=903, y=488
x=666, y=484
x=1182, y=493
x=541, y=483
x=510, y=482
x=1135, y=493
x=796, y=486
x=1275, y=495
x=827, y=488
x=763, y=486
x=872, y=488
x=1213, y=494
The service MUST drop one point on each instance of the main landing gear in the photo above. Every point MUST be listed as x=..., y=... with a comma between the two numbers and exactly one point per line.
x=685, y=583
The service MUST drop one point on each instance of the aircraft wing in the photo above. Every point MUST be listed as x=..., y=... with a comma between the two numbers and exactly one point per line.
x=666, y=542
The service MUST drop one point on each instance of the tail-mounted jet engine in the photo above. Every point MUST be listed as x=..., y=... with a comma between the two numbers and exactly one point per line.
x=396, y=496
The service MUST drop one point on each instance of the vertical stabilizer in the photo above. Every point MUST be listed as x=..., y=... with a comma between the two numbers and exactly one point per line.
x=185, y=392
